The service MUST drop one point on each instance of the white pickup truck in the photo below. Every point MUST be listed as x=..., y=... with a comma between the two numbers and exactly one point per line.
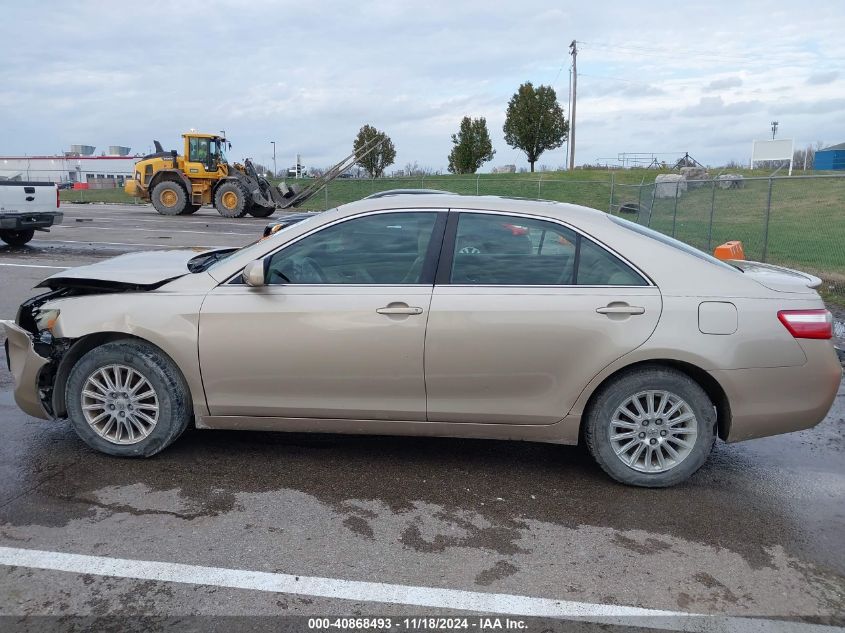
x=26, y=207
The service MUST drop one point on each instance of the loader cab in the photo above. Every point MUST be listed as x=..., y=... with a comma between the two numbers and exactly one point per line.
x=205, y=155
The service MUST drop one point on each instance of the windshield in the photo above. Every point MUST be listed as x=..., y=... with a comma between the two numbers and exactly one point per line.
x=670, y=241
x=253, y=247
x=219, y=148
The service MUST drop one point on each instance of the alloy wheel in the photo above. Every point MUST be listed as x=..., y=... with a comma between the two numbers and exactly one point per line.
x=120, y=404
x=653, y=431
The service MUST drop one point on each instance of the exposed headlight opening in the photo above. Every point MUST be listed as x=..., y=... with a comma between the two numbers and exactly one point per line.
x=47, y=319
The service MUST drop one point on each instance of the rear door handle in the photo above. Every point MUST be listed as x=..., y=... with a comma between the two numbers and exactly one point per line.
x=399, y=310
x=623, y=309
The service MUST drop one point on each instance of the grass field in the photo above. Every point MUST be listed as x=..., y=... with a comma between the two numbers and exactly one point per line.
x=805, y=227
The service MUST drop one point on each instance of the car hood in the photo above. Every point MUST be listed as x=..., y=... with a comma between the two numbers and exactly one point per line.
x=132, y=271
x=778, y=278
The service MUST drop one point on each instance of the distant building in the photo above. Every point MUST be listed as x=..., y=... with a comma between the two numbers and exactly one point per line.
x=77, y=165
x=832, y=157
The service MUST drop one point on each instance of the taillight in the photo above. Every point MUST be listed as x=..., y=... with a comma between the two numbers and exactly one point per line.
x=57, y=196
x=807, y=323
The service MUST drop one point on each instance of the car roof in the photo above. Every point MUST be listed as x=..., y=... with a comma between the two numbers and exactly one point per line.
x=443, y=200
x=410, y=192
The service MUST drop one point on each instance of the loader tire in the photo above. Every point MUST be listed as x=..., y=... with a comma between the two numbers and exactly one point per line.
x=230, y=200
x=191, y=208
x=260, y=211
x=169, y=198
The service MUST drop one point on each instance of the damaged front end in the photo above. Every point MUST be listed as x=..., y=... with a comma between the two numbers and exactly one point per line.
x=33, y=355
x=39, y=360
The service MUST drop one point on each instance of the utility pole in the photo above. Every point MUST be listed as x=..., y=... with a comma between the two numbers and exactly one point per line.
x=774, y=129
x=275, y=171
x=573, y=50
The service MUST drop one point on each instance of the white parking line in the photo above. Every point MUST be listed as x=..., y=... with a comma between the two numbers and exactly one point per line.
x=133, y=228
x=33, y=266
x=384, y=593
x=147, y=244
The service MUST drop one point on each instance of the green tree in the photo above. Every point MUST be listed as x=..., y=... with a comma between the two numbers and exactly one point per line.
x=535, y=121
x=472, y=146
x=381, y=157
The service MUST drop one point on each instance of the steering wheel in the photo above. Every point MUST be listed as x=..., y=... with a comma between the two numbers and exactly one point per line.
x=310, y=268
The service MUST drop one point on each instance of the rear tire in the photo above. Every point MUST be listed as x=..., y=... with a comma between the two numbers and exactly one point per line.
x=127, y=369
x=17, y=238
x=169, y=198
x=652, y=426
x=230, y=200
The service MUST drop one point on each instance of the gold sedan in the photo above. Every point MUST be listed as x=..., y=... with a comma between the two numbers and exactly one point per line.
x=436, y=315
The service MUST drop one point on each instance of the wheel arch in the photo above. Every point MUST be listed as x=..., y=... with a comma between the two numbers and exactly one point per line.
x=711, y=387
x=85, y=344
x=171, y=175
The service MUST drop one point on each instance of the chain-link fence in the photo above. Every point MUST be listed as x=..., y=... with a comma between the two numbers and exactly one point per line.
x=796, y=221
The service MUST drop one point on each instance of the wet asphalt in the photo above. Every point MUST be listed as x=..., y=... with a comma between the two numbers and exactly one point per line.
x=759, y=531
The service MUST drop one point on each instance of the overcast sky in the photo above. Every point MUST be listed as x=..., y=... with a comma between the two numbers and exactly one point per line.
x=702, y=77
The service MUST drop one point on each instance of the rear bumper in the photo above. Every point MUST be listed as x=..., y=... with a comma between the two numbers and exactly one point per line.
x=25, y=221
x=25, y=365
x=778, y=400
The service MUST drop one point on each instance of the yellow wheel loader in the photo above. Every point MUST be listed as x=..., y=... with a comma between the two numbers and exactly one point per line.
x=180, y=184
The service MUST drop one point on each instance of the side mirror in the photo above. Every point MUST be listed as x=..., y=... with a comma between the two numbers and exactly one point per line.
x=253, y=274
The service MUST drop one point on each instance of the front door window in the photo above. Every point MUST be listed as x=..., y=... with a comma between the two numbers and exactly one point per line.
x=378, y=249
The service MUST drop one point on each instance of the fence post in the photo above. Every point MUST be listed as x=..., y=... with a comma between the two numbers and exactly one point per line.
x=640, y=199
x=539, y=182
x=766, y=226
x=422, y=182
x=326, y=189
x=712, y=210
x=675, y=211
x=477, y=176
x=651, y=208
x=610, y=208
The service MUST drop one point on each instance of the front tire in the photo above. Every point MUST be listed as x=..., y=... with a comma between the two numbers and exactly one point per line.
x=17, y=238
x=127, y=399
x=230, y=200
x=169, y=198
x=259, y=211
x=651, y=426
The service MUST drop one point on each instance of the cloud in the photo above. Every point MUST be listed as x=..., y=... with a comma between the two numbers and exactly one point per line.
x=723, y=84
x=716, y=106
x=819, y=79
x=124, y=78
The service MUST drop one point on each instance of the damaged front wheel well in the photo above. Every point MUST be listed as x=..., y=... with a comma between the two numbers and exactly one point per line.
x=77, y=350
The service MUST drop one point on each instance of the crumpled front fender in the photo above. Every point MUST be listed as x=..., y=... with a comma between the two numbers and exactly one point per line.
x=25, y=364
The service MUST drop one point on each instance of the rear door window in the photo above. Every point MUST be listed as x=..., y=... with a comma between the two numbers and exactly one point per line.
x=494, y=249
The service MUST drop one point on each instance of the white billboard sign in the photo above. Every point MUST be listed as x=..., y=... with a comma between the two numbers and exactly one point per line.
x=780, y=149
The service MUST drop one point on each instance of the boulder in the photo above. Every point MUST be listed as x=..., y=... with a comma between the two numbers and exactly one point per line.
x=696, y=176
x=731, y=181
x=669, y=185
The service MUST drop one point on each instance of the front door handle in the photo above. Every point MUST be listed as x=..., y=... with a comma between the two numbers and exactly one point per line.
x=621, y=309
x=399, y=309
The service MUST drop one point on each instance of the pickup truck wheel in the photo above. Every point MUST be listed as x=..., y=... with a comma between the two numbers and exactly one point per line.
x=652, y=426
x=169, y=198
x=17, y=238
x=259, y=211
x=127, y=399
x=230, y=200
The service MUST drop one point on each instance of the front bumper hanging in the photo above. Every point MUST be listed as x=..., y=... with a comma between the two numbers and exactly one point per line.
x=25, y=364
